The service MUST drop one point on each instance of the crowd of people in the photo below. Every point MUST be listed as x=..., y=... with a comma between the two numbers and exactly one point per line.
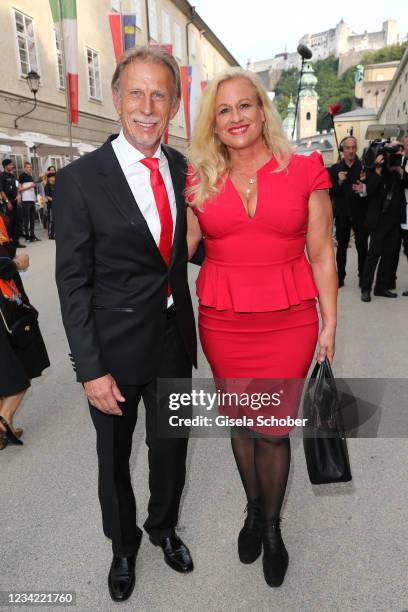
x=370, y=198
x=24, y=199
x=128, y=218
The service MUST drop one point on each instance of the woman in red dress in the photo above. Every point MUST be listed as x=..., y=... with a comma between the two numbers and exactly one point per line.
x=259, y=207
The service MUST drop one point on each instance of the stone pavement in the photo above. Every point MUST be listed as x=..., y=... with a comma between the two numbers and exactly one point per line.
x=347, y=543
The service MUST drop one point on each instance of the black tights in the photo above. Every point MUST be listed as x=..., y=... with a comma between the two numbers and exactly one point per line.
x=263, y=464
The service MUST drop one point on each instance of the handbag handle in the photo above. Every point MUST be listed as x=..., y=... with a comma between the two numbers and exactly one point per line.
x=324, y=369
x=5, y=322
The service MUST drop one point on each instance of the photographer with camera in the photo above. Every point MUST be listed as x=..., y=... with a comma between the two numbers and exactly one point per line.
x=350, y=206
x=386, y=184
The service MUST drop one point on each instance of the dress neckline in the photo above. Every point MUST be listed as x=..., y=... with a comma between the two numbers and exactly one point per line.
x=258, y=172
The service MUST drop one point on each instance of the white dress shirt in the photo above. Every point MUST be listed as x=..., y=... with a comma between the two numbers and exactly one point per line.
x=138, y=178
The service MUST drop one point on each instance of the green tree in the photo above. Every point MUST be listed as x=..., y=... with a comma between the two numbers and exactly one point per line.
x=388, y=54
x=330, y=89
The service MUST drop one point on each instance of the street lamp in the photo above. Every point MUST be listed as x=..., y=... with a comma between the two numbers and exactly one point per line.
x=33, y=82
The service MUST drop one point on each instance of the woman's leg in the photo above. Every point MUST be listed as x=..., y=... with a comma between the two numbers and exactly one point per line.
x=272, y=463
x=250, y=536
x=243, y=447
x=8, y=407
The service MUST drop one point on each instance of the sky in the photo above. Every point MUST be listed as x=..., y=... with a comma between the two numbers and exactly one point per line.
x=258, y=29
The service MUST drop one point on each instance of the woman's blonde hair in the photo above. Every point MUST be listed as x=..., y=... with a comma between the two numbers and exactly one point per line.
x=209, y=157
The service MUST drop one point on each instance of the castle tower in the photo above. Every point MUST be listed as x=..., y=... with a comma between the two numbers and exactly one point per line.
x=307, y=114
x=341, y=40
x=390, y=30
x=289, y=120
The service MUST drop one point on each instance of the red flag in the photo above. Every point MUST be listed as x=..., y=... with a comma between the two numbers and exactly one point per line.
x=116, y=32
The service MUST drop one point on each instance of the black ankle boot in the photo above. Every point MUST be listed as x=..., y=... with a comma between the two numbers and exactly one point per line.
x=250, y=536
x=275, y=560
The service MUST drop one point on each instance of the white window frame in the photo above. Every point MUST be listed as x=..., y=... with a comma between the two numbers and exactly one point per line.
x=25, y=37
x=57, y=162
x=178, y=41
x=154, y=34
x=95, y=54
x=165, y=28
x=58, y=53
x=137, y=10
x=18, y=167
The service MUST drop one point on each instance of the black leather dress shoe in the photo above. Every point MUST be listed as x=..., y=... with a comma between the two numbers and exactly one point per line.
x=276, y=559
x=121, y=579
x=365, y=296
x=176, y=553
x=250, y=536
x=385, y=293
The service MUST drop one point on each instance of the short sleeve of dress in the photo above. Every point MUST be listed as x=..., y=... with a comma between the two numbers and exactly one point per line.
x=317, y=173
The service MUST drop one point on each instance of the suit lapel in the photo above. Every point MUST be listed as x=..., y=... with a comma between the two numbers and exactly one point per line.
x=178, y=177
x=116, y=186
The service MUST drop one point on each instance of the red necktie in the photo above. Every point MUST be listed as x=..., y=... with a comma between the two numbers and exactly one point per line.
x=163, y=207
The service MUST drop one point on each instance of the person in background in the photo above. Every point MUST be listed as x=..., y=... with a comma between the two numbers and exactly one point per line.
x=49, y=197
x=386, y=185
x=19, y=365
x=404, y=220
x=28, y=201
x=10, y=196
x=350, y=206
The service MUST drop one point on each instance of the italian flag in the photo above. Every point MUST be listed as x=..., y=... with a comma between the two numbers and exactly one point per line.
x=64, y=15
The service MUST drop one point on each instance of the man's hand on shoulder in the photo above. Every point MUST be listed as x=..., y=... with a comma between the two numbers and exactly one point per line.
x=103, y=393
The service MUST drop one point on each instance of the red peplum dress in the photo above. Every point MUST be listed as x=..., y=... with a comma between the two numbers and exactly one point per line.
x=257, y=299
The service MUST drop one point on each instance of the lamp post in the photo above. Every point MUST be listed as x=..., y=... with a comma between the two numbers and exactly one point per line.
x=33, y=82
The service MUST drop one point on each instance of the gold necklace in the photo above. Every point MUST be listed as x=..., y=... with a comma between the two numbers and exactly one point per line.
x=251, y=181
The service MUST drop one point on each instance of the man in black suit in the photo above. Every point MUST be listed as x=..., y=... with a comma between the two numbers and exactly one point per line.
x=350, y=206
x=385, y=185
x=120, y=229
x=404, y=220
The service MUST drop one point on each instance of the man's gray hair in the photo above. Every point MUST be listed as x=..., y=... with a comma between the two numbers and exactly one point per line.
x=154, y=56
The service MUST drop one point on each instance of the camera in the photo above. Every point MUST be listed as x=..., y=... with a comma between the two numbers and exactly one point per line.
x=392, y=153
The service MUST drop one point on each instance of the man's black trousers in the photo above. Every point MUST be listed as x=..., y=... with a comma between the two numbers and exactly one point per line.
x=383, y=243
x=14, y=224
x=166, y=456
x=344, y=225
x=28, y=219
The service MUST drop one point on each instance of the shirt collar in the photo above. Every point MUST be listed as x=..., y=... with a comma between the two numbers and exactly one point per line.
x=128, y=154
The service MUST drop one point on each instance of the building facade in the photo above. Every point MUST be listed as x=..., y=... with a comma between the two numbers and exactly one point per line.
x=29, y=42
x=390, y=120
x=370, y=91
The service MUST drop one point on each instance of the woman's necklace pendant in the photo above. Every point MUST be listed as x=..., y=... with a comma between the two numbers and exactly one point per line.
x=251, y=180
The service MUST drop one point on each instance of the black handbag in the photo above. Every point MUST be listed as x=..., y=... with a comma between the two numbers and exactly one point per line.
x=324, y=441
x=20, y=322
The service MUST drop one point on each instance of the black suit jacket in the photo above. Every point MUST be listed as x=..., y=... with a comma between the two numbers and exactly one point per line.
x=377, y=189
x=347, y=203
x=111, y=278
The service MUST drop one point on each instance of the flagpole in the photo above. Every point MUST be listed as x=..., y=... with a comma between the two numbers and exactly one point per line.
x=71, y=156
x=122, y=37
